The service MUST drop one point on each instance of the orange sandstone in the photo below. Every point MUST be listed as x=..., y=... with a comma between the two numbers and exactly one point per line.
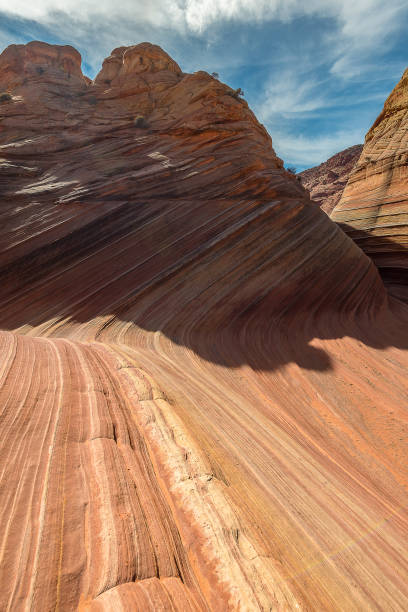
x=373, y=209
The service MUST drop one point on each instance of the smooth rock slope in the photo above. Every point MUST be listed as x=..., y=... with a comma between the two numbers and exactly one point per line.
x=202, y=382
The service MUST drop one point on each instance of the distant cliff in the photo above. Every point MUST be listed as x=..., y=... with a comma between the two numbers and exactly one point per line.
x=326, y=181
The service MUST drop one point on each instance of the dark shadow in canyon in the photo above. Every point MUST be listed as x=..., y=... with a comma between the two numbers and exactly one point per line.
x=385, y=253
x=220, y=332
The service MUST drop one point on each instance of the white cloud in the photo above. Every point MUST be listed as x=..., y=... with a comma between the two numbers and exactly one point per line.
x=304, y=151
x=294, y=109
x=287, y=93
x=154, y=12
x=358, y=19
x=361, y=26
x=366, y=28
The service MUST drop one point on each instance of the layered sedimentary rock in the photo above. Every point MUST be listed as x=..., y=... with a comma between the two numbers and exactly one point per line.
x=373, y=209
x=326, y=182
x=202, y=379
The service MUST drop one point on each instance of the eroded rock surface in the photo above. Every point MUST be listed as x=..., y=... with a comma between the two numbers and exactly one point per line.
x=326, y=182
x=202, y=384
x=373, y=209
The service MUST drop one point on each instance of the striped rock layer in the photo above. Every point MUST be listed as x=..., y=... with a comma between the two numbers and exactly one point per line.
x=202, y=378
x=373, y=209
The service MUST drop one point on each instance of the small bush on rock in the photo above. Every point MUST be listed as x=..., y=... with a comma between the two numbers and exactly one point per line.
x=140, y=122
x=236, y=93
x=5, y=97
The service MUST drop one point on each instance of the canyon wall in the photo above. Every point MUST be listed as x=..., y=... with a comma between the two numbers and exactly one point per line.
x=373, y=209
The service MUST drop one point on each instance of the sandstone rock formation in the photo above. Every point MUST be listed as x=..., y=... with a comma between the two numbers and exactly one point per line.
x=374, y=207
x=326, y=182
x=202, y=383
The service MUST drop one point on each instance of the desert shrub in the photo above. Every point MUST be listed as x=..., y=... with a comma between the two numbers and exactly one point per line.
x=236, y=93
x=5, y=97
x=215, y=75
x=140, y=122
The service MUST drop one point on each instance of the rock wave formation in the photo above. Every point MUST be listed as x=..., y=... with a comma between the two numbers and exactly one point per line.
x=202, y=383
x=373, y=209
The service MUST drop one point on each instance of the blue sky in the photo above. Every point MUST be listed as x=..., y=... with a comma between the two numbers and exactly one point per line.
x=315, y=72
